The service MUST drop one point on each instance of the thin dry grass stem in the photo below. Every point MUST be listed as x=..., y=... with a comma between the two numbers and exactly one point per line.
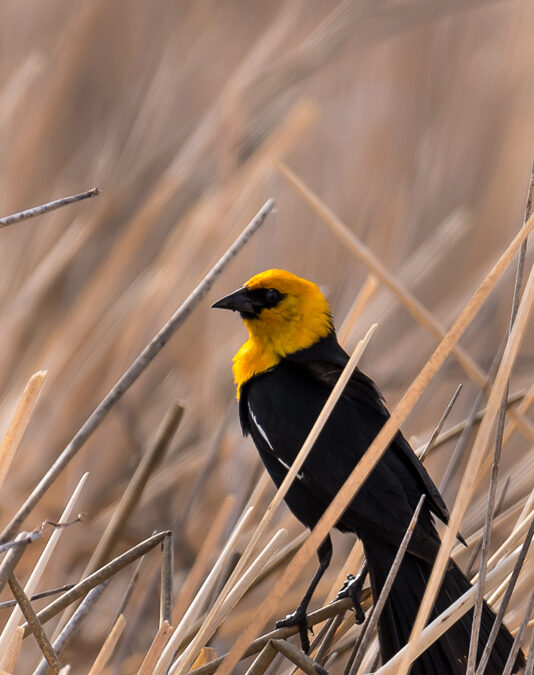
x=98, y=577
x=476, y=548
x=31, y=584
x=298, y=657
x=9, y=657
x=446, y=619
x=74, y=622
x=523, y=407
x=360, y=303
x=230, y=599
x=155, y=649
x=314, y=618
x=134, y=371
x=506, y=599
x=486, y=537
x=381, y=442
x=40, y=636
x=373, y=617
x=202, y=559
x=410, y=302
x=49, y=206
x=263, y=660
x=131, y=586
x=167, y=578
x=457, y=429
x=203, y=593
x=134, y=490
x=432, y=440
x=468, y=482
x=19, y=422
x=109, y=645
x=519, y=637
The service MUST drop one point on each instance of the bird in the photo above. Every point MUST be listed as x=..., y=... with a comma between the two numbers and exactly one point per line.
x=284, y=374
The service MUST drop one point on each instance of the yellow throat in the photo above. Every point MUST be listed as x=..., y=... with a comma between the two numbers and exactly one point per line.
x=298, y=321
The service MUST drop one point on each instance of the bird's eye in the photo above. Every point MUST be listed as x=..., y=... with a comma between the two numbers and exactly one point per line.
x=272, y=297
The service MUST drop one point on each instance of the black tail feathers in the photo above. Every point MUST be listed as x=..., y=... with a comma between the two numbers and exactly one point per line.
x=447, y=656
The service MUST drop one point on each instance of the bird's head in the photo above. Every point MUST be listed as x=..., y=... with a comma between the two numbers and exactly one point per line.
x=283, y=314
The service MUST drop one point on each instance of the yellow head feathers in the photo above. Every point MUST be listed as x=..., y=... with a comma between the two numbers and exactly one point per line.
x=283, y=314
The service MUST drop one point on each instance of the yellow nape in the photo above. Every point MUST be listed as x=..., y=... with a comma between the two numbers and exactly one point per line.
x=298, y=321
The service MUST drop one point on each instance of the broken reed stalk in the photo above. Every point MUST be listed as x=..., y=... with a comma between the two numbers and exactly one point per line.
x=31, y=584
x=439, y=427
x=40, y=636
x=155, y=649
x=167, y=577
x=373, y=617
x=46, y=208
x=74, y=622
x=134, y=371
x=135, y=487
x=469, y=478
x=378, y=446
x=417, y=310
x=109, y=645
x=298, y=657
x=97, y=577
x=19, y=422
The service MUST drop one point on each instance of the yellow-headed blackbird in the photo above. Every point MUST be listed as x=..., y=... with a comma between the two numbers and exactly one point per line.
x=284, y=374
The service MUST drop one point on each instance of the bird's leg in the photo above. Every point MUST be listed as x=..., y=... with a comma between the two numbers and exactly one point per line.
x=298, y=617
x=352, y=589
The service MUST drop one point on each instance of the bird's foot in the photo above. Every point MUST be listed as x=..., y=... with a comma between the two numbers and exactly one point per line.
x=352, y=589
x=298, y=618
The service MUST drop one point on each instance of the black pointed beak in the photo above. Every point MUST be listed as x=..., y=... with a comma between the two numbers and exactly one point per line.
x=238, y=301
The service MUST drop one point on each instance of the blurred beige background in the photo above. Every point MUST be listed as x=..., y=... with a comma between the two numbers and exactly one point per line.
x=412, y=120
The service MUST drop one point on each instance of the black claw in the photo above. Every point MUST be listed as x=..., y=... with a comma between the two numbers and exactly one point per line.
x=298, y=618
x=352, y=589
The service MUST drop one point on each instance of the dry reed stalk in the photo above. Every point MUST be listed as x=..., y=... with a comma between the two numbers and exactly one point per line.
x=42, y=640
x=523, y=409
x=131, y=495
x=167, y=580
x=468, y=482
x=14, y=554
x=19, y=422
x=231, y=598
x=379, y=445
x=434, y=436
x=202, y=559
x=109, y=645
x=446, y=619
x=9, y=656
x=11, y=625
x=518, y=638
x=420, y=313
x=133, y=372
x=351, y=564
x=194, y=608
x=46, y=208
x=155, y=650
x=360, y=303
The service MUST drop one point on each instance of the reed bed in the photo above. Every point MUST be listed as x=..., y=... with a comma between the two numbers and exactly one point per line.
x=383, y=150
